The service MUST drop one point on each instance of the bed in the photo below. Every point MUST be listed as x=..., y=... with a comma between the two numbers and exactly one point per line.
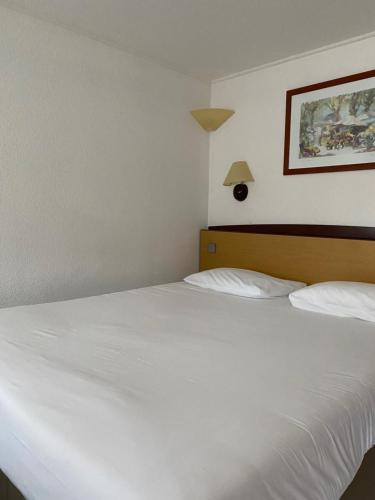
x=174, y=392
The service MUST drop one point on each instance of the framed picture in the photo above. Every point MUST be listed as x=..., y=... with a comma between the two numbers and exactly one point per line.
x=330, y=126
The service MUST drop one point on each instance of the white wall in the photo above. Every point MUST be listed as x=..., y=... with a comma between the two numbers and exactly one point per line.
x=103, y=172
x=256, y=134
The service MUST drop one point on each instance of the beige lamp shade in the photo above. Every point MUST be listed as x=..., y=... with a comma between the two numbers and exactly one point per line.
x=211, y=118
x=239, y=172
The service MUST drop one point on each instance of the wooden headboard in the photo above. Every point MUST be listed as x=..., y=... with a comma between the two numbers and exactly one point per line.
x=308, y=253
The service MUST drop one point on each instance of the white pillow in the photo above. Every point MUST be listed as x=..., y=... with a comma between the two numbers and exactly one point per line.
x=243, y=282
x=339, y=298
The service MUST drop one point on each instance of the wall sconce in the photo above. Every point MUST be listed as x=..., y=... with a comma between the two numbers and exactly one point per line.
x=238, y=174
x=211, y=118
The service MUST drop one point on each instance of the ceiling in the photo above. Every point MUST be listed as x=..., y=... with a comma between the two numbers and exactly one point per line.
x=209, y=39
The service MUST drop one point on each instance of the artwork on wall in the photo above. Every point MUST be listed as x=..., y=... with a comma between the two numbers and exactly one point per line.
x=330, y=126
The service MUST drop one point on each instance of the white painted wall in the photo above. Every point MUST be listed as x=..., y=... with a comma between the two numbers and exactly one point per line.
x=103, y=172
x=256, y=134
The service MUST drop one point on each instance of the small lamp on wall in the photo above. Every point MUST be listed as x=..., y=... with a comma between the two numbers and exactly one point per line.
x=239, y=173
x=211, y=119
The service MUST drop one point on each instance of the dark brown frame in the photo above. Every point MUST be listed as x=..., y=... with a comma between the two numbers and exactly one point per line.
x=309, y=230
x=309, y=88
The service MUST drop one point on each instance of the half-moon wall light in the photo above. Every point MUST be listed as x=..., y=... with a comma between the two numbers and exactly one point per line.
x=211, y=118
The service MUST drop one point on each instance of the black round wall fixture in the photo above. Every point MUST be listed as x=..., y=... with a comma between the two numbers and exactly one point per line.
x=240, y=192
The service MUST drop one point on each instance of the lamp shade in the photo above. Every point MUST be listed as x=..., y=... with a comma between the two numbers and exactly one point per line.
x=211, y=118
x=238, y=172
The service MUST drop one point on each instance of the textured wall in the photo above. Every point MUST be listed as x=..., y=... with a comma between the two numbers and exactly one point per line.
x=256, y=133
x=103, y=172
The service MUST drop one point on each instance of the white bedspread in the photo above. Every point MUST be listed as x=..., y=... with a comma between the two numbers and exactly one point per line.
x=179, y=393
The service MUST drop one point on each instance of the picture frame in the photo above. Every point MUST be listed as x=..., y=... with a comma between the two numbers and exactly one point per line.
x=330, y=126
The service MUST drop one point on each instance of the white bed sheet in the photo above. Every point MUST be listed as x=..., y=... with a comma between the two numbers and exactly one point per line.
x=179, y=393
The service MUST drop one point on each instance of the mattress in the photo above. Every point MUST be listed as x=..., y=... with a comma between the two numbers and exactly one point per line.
x=178, y=393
